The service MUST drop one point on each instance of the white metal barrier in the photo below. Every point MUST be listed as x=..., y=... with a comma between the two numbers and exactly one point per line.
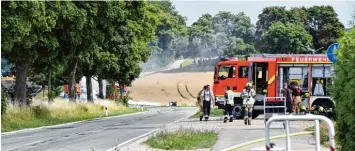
x=315, y=118
x=267, y=114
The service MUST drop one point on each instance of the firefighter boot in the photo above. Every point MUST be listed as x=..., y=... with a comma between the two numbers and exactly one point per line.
x=231, y=119
x=225, y=120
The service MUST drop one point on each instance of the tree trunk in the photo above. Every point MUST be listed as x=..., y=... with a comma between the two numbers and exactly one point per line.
x=21, y=83
x=89, y=96
x=72, y=84
x=50, y=97
x=43, y=94
x=101, y=85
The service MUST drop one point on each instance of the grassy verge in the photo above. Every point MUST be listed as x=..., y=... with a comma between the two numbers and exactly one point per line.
x=185, y=139
x=186, y=63
x=214, y=112
x=59, y=112
x=324, y=138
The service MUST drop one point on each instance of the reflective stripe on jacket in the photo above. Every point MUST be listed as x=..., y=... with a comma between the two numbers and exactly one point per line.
x=246, y=93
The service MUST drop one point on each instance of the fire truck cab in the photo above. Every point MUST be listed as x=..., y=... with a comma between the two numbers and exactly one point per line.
x=268, y=72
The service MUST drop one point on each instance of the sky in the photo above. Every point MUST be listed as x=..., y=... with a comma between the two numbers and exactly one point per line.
x=193, y=9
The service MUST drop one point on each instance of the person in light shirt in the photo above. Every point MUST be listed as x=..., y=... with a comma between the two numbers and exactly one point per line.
x=318, y=89
x=208, y=100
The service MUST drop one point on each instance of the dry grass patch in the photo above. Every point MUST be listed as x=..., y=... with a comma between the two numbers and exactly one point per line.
x=61, y=111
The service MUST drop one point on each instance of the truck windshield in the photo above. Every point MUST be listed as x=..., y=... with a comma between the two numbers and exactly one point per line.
x=226, y=71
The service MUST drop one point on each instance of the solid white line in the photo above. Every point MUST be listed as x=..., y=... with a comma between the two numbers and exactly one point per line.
x=65, y=124
x=143, y=135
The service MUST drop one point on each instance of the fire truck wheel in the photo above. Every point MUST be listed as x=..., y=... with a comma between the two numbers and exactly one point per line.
x=255, y=114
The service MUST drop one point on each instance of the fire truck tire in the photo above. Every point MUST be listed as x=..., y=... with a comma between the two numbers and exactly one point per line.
x=255, y=114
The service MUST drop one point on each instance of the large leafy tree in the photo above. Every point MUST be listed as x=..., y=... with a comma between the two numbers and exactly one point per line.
x=131, y=26
x=201, y=38
x=343, y=91
x=286, y=38
x=26, y=36
x=352, y=21
x=268, y=16
x=238, y=32
x=172, y=26
x=71, y=36
x=324, y=26
x=90, y=59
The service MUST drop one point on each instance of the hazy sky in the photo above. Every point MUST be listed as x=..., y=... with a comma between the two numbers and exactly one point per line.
x=193, y=9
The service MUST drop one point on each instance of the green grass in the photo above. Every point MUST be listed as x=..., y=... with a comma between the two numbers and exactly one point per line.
x=214, y=112
x=184, y=139
x=186, y=63
x=324, y=138
x=184, y=105
x=58, y=113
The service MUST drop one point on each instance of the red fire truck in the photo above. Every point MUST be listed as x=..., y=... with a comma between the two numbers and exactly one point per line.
x=268, y=72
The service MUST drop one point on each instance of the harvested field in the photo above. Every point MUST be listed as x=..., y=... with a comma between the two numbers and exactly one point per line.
x=177, y=87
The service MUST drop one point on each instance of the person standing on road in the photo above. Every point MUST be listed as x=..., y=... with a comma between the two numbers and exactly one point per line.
x=200, y=102
x=296, y=92
x=248, y=95
x=207, y=96
x=228, y=104
x=287, y=93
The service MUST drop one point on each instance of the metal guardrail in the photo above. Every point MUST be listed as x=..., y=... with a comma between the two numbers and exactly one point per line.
x=288, y=118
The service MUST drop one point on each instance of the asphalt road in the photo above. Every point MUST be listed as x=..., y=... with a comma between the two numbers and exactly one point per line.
x=101, y=134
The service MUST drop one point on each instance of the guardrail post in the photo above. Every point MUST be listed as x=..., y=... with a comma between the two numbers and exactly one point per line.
x=317, y=135
x=106, y=111
x=288, y=139
x=316, y=118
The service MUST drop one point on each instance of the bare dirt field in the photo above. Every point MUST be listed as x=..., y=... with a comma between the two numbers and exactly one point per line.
x=171, y=87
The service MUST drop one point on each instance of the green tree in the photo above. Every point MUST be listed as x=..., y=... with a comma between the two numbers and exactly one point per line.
x=343, y=91
x=201, y=38
x=324, y=26
x=270, y=15
x=71, y=33
x=130, y=26
x=237, y=32
x=172, y=26
x=286, y=38
x=28, y=27
x=352, y=21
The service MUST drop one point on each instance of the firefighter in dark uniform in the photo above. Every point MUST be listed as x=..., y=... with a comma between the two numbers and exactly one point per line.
x=228, y=104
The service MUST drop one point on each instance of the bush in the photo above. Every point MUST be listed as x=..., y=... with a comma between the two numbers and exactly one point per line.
x=343, y=92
